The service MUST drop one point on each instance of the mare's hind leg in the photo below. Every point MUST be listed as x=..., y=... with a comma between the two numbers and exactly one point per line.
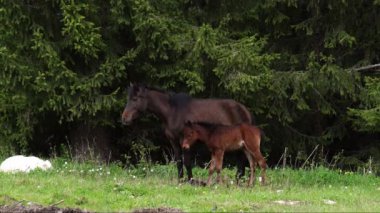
x=251, y=166
x=241, y=161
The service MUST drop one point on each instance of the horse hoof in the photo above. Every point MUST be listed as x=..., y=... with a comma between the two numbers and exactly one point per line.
x=195, y=182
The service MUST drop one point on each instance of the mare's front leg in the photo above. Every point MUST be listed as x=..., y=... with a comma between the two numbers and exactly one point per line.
x=177, y=153
x=187, y=154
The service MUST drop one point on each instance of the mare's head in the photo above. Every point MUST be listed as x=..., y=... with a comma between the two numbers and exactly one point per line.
x=190, y=135
x=137, y=102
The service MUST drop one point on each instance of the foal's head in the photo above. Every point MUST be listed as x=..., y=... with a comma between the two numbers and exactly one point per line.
x=137, y=102
x=190, y=135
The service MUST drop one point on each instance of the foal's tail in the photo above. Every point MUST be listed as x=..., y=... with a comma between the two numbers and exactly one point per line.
x=253, y=120
x=262, y=134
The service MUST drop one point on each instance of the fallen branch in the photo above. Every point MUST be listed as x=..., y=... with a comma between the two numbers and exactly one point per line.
x=57, y=203
x=367, y=67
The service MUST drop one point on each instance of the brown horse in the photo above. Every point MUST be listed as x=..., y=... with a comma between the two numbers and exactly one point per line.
x=220, y=138
x=174, y=109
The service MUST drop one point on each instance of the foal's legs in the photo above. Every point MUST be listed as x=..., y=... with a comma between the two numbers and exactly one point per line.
x=258, y=157
x=252, y=166
x=216, y=164
x=219, y=154
x=211, y=169
x=262, y=163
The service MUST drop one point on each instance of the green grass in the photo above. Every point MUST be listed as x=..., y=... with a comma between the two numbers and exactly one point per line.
x=112, y=188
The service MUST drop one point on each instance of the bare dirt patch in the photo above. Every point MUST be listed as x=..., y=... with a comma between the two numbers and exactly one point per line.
x=9, y=204
x=37, y=208
x=158, y=210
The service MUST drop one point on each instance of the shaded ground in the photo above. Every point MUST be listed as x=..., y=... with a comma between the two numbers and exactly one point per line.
x=37, y=208
x=49, y=209
x=9, y=204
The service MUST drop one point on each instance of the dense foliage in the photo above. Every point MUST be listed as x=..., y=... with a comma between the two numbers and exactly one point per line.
x=66, y=64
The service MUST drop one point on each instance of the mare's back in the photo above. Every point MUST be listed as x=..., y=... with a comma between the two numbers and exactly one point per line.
x=218, y=111
x=179, y=100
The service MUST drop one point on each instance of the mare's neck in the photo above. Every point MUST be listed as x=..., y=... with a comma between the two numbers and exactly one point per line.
x=158, y=104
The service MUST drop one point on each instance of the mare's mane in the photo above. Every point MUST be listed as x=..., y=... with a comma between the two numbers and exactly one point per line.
x=140, y=85
x=177, y=100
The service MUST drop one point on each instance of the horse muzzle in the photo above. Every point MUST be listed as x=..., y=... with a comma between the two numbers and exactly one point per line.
x=127, y=117
x=125, y=122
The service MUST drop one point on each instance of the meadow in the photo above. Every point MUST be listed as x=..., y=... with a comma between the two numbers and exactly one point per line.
x=111, y=188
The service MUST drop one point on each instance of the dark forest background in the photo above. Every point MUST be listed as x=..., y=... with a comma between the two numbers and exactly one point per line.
x=65, y=67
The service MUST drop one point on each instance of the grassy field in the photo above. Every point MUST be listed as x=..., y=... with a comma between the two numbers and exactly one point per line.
x=113, y=188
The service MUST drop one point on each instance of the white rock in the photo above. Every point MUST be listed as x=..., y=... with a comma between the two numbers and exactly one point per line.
x=20, y=163
x=287, y=202
x=329, y=202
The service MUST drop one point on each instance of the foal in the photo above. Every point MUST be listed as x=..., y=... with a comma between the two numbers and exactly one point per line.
x=219, y=139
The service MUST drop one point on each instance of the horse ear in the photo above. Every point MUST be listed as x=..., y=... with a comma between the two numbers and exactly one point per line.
x=130, y=84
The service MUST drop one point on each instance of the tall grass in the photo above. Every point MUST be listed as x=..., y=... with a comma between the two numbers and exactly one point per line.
x=107, y=188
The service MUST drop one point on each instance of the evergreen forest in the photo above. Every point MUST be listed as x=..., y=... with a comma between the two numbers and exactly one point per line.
x=308, y=71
